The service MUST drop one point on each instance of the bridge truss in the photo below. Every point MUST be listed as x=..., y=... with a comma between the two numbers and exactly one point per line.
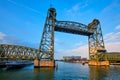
x=92, y=30
x=15, y=52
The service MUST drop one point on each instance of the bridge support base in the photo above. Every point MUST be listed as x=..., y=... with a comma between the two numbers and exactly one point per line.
x=98, y=63
x=38, y=64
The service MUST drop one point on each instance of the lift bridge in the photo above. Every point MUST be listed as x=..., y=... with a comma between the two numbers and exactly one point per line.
x=92, y=30
x=44, y=56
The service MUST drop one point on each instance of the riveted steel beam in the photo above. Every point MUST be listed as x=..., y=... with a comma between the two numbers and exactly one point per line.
x=16, y=52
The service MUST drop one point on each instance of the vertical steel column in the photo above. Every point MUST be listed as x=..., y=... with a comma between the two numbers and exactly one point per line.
x=46, y=49
x=96, y=43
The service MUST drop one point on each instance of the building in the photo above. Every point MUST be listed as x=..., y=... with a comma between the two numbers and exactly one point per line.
x=72, y=58
x=112, y=56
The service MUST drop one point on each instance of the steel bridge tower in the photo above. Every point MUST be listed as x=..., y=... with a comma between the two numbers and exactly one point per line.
x=46, y=49
x=47, y=42
x=92, y=30
x=96, y=42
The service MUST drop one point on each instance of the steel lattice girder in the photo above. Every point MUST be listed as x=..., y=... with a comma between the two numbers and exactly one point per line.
x=47, y=42
x=111, y=56
x=17, y=52
x=96, y=43
x=73, y=28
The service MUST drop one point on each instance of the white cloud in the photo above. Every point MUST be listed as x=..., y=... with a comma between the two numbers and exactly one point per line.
x=77, y=6
x=114, y=5
x=56, y=41
x=74, y=8
x=74, y=11
x=7, y=39
x=2, y=35
x=113, y=47
x=112, y=41
x=83, y=50
x=80, y=51
x=118, y=27
x=112, y=37
x=108, y=8
x=79, y=44
x=112, y=44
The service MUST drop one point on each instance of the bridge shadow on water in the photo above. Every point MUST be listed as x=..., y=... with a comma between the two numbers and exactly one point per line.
x=111, y=72
x=44, y=73
x=98, y=72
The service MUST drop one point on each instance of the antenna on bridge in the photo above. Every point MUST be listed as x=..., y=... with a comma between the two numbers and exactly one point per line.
x=51, y=4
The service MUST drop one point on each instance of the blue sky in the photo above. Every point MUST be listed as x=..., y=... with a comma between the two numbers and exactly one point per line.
x=22, y=22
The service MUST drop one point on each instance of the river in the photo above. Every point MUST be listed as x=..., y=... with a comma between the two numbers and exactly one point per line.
x=65, y=71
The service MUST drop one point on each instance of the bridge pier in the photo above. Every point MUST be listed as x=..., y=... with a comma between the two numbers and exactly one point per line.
x=38, y=63
x=98, y=63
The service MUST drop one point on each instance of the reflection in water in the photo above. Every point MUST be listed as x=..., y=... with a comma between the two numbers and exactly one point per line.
x=65, y=71
x=98, y=72
x=44, y=73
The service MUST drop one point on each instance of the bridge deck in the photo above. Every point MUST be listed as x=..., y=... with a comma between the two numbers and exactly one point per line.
x=72, y=27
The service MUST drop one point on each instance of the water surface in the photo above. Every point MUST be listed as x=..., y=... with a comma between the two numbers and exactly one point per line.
x=65, y=71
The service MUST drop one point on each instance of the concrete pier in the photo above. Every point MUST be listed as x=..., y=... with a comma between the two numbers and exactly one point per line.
x=98, y=63
x=38, y=63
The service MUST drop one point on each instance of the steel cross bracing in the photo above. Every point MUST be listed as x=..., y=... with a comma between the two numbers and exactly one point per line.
x=92, y=30
x=96, y=42
x=47, y=42
x=15, y=52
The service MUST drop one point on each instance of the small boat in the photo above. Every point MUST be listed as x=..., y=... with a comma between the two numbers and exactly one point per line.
x=17, y=64
x=2, y=65
x=83, y=62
